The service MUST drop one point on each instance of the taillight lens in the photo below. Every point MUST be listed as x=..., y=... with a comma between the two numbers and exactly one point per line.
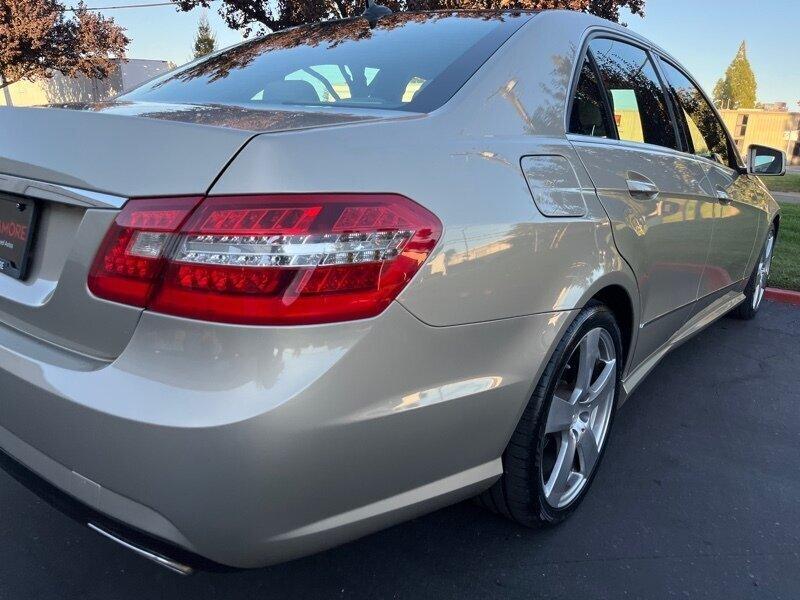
x=130, y=258
x=266, y=260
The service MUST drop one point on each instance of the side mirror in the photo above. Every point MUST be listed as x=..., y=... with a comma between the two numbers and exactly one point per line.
x=762, y=160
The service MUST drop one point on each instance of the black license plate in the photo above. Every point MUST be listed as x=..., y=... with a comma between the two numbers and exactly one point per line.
x=17, y=222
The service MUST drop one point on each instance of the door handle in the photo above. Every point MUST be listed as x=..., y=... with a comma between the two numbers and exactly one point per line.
x=723, y=198
x=642, y=188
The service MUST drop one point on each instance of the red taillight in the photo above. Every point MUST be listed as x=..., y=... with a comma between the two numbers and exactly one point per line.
x=265, y=260
x=131, y=255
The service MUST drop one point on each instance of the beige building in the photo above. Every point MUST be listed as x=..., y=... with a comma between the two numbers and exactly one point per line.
x=774, y=128
x=60, y=89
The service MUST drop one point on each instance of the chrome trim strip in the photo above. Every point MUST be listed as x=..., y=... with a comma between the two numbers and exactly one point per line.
x=165, y=562
x=55, y=192
x=99, y=198
x=692, y=327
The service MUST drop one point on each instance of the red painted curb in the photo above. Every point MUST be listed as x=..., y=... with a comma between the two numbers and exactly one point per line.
x=778, y=295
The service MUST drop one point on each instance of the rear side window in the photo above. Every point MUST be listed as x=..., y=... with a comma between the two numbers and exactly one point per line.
x=588, y=115
x=407, y=61
x=705, y=132
x=637, y=98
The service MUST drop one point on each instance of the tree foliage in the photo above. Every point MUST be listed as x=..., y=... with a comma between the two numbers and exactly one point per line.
x=272, y=15
x=205, y=42
x=37, y=39
x=737, y=89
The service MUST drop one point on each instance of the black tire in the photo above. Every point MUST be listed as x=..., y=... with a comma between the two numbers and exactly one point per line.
x=749, y=309
x=519, y=493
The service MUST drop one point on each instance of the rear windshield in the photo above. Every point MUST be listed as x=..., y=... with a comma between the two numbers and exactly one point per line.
x=407, y=61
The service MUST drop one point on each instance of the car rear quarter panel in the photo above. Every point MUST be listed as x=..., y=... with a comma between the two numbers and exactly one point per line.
x=499, y=257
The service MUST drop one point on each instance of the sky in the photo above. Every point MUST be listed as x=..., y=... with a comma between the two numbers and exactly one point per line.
x=704, y=35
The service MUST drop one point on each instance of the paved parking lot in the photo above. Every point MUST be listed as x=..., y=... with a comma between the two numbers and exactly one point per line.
x=699, y=496
x=788, y=198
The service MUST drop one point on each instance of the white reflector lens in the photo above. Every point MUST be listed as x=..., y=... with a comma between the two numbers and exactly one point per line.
x=147, y=244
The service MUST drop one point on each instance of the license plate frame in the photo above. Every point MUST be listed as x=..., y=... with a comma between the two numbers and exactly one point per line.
x=18, y=219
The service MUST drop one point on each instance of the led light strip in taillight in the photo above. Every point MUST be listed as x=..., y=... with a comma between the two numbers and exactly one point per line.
x=271, y=259
x=291, y=250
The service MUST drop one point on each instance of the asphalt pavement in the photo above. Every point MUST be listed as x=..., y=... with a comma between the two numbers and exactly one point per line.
x=788, y=197
x=698, y=497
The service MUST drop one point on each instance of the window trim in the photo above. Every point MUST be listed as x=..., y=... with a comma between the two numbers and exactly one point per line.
x=683, y=124
x=680, y=136
x=652, y=54
x=733, y=150
x=608, y=115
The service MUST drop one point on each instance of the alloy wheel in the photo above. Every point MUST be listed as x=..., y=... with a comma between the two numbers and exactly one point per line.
x=578, y=418
x=762, y=271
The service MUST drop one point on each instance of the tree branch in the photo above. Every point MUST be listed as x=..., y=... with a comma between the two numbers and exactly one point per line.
x=340, y=8
x=248, y=16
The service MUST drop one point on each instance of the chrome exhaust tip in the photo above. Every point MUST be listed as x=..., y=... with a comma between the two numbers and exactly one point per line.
x=159, y=559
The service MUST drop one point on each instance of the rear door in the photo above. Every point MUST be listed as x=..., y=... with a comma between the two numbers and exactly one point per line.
x=652, y=191
x=739, y=206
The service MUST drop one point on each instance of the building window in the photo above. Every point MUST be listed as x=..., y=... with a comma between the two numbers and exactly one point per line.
x=741, y=125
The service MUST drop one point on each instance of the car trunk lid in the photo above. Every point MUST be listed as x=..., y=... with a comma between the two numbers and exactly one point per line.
x=79, y=166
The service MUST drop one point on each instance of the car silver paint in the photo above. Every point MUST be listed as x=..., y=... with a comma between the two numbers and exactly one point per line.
x=554, y=186
x=191, y=415
x=218, y=437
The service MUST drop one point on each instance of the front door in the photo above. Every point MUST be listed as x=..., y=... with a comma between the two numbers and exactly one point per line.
x=739, y=201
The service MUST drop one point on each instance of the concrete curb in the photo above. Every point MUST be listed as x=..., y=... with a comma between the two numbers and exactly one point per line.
x=778, y=295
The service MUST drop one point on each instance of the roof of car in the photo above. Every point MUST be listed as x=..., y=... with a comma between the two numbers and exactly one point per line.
x=498, y=13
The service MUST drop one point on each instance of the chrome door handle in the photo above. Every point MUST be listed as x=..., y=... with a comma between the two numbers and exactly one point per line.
x=642, y=188
x=723, y=198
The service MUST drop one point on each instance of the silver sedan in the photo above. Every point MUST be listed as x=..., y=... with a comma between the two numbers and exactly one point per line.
x=346, y=274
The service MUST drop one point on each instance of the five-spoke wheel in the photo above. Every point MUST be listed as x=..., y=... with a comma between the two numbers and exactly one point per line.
x=578, y=418
x=757, y=284
x=762, y=270
x=559, y=441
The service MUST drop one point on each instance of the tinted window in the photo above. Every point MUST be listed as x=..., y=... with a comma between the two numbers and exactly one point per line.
x=588, y=113
x=411, y=61
x=637, y=98
x=705, y=132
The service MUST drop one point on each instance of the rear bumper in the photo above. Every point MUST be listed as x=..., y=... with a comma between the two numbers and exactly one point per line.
x=250, y=446
x=184, y=561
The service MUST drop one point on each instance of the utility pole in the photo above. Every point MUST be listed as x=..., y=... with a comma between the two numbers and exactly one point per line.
x=10, y=102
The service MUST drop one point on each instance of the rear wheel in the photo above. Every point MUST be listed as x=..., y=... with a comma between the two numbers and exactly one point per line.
x=757, y=284
x=555, y=451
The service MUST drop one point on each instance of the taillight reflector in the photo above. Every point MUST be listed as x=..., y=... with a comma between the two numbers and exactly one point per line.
x=265, y=260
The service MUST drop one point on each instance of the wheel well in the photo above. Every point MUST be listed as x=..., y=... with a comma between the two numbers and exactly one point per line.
x=617, y=299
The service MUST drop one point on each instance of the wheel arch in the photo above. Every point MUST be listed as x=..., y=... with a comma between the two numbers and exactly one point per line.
x=617, y=299
x=619, y=291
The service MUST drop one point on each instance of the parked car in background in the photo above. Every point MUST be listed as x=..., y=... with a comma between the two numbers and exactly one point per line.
x=345, y=274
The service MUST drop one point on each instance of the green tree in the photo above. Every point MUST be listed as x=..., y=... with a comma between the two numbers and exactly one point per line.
x=205, y=42
x=737, y=89
x=272, y=15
